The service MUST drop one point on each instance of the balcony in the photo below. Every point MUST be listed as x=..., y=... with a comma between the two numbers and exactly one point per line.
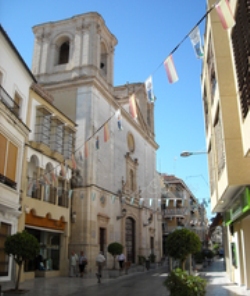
x=175, y=212
x=9, y=102
x=50, y=193
x=7, y=181
x=63, y=198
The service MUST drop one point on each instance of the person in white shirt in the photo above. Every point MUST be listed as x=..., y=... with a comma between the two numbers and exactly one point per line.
x=100, y=259
x=121, y=259
x=73, y=264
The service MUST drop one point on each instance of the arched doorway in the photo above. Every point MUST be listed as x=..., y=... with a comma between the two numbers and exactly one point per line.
x=130, y=239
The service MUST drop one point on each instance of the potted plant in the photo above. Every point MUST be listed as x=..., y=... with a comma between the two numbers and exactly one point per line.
x=208, y=255
x=199, y=259
x=114, y=249
x=141, y=263
x=21, y=246
x=180, y=283
x=181, y=243
x=152, y=259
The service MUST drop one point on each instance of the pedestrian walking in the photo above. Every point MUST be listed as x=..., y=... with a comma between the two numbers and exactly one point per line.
x=73, y=264
x=121, y=259
x=82, y=263
x=100, y=259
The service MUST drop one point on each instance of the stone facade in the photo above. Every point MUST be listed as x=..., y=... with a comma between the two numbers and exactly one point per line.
x=121, y=188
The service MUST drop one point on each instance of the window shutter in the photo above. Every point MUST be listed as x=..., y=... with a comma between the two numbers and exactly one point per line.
x=3, y=145
x=11, y=163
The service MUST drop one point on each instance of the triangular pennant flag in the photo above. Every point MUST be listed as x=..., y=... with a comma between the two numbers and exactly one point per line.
x=86, y=149
x=119, y=119
x=70, y=193
x=141, y=201
x=113, y=198
x=196, y=42
x=30, y=185
x=97, y=143
x=93, y=196
x=53, y=176
x=106, y=132
x=170, y=69
x=132, y=200
x=132, y=106
x=73, y=161
x=149, y=89
x=47, y=190
x=80, y=156
x=46, y=179
x=225, y=14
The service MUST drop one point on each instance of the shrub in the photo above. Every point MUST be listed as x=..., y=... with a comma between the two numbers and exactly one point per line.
x=199, y=257
x=152, y=258
x=181, y=243
x=22, y=246
x=141, y=259
x=209, y=254
x=115, y=249
x=179, y=283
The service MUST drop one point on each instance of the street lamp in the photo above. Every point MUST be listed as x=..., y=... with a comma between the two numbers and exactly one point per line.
x=188, y=153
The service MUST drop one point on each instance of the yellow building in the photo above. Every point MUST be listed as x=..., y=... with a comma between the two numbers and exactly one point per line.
x=46, y=194
x=181, y=209
x=225, y=88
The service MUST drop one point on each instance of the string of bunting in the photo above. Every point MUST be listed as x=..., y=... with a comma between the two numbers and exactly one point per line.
x=227, y=20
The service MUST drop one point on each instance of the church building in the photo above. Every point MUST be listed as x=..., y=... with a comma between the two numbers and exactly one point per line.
x=115, y=187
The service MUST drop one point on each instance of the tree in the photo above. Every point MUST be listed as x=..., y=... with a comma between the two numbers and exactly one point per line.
x=115, y=249
x=22, y=246
x=181, y=243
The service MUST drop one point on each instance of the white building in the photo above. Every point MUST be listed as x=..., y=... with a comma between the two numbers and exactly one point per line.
x=15, y=81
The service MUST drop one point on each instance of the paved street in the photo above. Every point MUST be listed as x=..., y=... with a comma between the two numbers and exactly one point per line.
x=134, y=284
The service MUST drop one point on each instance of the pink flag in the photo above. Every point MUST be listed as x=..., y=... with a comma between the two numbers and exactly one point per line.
x=132, y=106
x=86, y=149
x=73, y=161
x=46, y=179
x=225, y=14
x=170, y=68
x=106, y=132
x=53, y=176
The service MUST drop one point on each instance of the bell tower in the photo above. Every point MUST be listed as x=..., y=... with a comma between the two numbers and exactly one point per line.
x=72, y=49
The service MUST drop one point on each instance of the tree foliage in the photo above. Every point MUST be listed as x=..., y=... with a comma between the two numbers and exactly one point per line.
x=181, y=243
x=21, y=246
x=115, y=249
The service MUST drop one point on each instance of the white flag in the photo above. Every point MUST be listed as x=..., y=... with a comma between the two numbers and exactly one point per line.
x=196, y=42
x=149, y=89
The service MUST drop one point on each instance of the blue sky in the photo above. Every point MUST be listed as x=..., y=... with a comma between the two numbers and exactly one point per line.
x=147, y=31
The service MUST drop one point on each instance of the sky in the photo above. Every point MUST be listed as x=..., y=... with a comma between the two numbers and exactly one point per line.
x=147, y=32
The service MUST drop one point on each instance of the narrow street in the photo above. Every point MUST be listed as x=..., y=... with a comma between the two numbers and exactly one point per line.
x=135, y=284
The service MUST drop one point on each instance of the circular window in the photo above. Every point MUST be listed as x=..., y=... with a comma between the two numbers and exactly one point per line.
x=131, y=142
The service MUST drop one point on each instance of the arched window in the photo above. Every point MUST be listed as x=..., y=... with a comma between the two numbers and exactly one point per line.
x=64, y=53
x=103, y=60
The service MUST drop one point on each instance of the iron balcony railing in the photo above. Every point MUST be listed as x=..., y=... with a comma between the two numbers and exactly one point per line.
x=9, y=102
x=7, y=181
x=175, y=212
x=63, y=198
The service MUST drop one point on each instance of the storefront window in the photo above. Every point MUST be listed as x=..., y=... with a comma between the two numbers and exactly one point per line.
x=49, y=255
x=5, y=230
